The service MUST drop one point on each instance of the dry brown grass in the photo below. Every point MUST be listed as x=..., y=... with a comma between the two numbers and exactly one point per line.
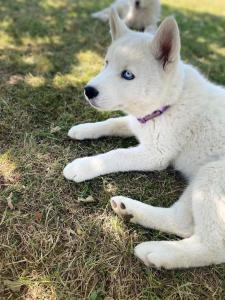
x=51, y=245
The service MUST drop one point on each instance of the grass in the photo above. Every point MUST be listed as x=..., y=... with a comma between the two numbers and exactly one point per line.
x=51, y=245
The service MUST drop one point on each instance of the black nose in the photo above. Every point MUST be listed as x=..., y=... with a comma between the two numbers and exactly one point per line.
x=137, y=3
x=90, y=92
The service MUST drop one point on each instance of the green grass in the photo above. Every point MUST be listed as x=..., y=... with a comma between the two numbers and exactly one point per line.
x=52, y=246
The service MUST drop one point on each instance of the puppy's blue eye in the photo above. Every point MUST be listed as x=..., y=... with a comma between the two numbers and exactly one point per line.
x=128, y=75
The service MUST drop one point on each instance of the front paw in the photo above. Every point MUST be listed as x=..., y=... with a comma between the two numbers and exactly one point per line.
x=81, y=169
x=81, y=132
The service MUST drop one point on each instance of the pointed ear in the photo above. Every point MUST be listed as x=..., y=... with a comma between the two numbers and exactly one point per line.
x=117, y=26
x=166, y=43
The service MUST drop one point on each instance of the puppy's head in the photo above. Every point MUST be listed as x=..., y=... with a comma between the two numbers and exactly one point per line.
x=139, y=68
x=140, y=4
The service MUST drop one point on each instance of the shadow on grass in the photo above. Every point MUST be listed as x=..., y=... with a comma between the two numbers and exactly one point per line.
x=46, y=39
x=61, y=31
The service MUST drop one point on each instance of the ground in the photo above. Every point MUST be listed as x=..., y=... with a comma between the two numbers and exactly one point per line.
x=52, y=245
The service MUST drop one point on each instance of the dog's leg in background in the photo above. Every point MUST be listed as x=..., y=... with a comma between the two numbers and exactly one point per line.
x=120, y=160
x=111, y=127
x=102, y=15
x=206, y=245
x=121, y=7
x=176, y=219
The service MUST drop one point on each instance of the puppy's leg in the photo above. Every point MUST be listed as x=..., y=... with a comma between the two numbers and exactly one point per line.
x=176, y=219
x=120, y=160
x=186, y=253
x=110, y=127
x=207, y=245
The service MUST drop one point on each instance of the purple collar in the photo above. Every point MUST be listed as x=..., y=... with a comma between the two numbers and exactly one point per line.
x=153, y=115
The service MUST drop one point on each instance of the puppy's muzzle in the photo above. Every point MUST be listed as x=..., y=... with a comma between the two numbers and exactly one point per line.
x=90, y=92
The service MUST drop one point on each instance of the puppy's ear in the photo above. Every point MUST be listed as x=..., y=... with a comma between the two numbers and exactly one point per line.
x=117, y=26
x=166, y=43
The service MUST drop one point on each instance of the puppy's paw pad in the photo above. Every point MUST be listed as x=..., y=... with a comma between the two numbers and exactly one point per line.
x=122, y=205
x=114, y=204
x=120, y=208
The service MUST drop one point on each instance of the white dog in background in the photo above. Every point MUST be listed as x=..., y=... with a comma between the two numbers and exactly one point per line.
x=138, y=14
x=178, y=117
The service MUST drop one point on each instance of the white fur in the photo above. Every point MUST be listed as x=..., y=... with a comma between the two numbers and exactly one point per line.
x=190, y=136
x=140, y=18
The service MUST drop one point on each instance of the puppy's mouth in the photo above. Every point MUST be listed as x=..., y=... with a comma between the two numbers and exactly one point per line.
x=92, y=102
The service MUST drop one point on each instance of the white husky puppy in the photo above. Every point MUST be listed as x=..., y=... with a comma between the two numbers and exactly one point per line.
x=178, y=117
x=137, y=14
